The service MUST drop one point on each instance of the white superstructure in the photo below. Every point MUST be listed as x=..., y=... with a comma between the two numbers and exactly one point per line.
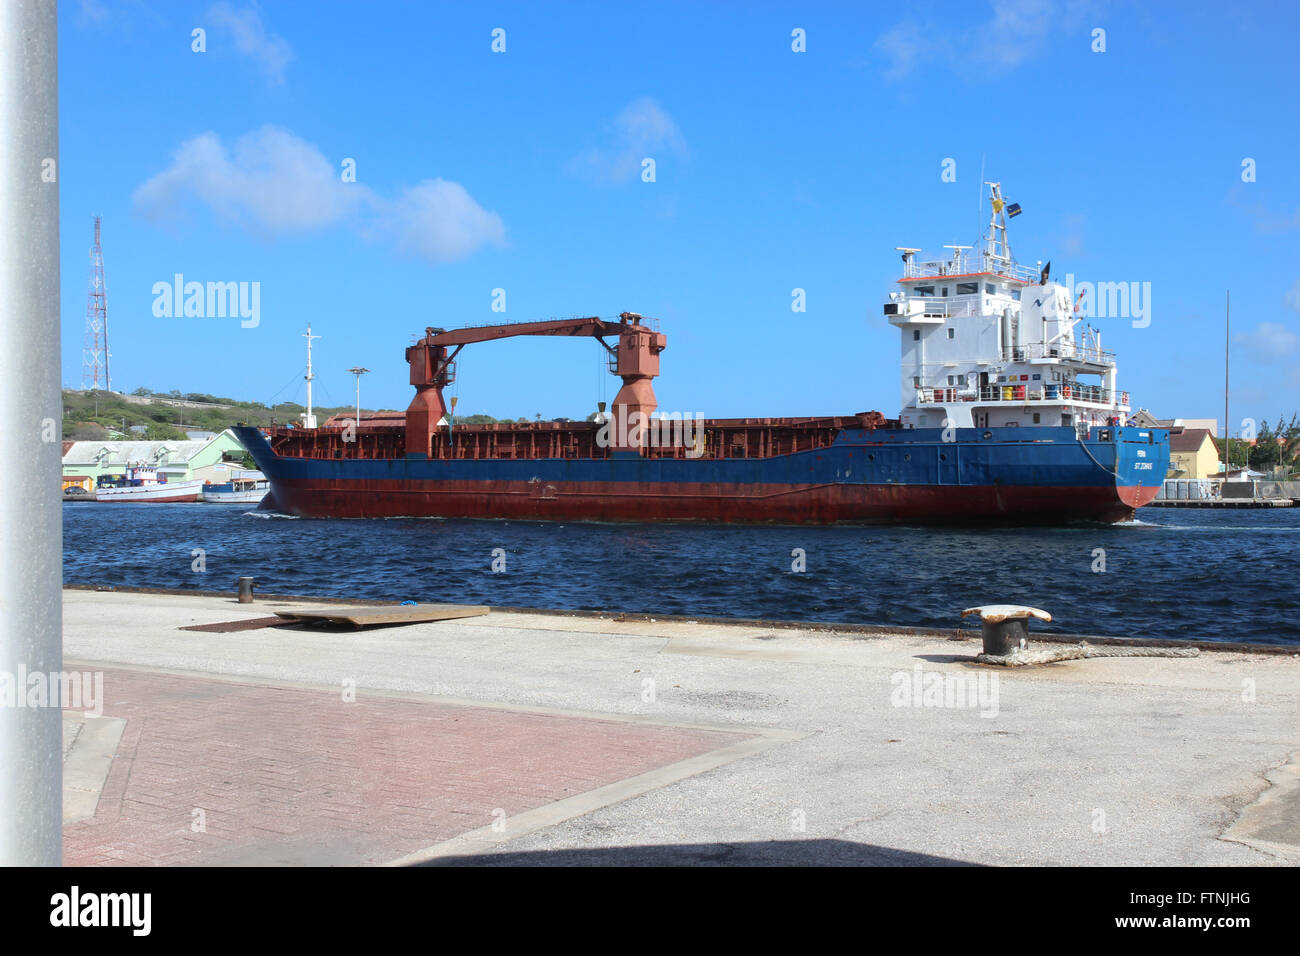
x=987, y=342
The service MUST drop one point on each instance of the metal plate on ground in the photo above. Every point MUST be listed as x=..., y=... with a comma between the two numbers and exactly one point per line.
x=385, y=614
x=248, y=624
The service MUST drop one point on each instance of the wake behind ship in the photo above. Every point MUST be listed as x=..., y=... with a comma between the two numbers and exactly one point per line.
x=1007, y=415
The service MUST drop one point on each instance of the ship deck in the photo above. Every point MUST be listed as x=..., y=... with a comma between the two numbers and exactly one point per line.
x=385, y=437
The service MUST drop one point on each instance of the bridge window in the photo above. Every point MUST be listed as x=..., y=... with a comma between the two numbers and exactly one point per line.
x=924, y=290
x=968, y=288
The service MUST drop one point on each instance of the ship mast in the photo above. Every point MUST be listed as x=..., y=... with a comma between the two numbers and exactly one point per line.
x=996, y=246
x=308, y=418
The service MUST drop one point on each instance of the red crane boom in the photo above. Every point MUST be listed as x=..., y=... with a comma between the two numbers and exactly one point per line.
x=635, y=359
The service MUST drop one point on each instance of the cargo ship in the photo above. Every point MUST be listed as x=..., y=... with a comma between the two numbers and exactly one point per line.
x=1009, y=413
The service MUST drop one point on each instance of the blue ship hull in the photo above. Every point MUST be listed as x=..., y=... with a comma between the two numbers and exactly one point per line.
x=865, y=475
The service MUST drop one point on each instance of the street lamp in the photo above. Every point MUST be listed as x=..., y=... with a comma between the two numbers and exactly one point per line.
x=358, y=371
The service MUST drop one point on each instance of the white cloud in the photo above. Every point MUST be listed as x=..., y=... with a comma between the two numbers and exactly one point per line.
x=439, y=221
x=273, y=180
x=245, y=28
x=1271, y=215
x=902, y=45
x=1293, y=296
x=1016, y=31
x=1270, y=341
x=273, y=183
x=91, y=12
x=641, y=130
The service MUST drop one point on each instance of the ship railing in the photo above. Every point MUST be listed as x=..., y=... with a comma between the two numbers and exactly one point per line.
x=1024, y=392
x=933, y=396
x=951, y=307
x=1066, y=351
x=1013, y=392
x=968, y=264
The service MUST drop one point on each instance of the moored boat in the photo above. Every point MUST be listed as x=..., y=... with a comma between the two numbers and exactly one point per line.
x=143, y=483
x=248, y=488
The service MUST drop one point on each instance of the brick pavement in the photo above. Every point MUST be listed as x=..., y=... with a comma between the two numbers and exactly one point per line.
x=298, y=776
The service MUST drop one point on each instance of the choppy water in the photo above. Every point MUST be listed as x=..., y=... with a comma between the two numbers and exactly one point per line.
x=1195, y=574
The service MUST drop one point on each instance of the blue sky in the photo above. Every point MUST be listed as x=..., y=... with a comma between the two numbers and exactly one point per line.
x=775, y=170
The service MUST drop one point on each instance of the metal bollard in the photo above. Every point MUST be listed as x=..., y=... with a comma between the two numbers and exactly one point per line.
x=1003, y=637
x=1006, y=626
x=245, y=590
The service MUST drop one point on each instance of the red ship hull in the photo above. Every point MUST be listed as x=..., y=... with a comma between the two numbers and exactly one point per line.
x=715, y=504
x=814, y=472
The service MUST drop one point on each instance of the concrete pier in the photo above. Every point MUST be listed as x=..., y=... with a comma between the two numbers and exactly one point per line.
x=522, y=738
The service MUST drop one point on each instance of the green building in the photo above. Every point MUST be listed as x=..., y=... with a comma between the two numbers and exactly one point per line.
x=210, y=460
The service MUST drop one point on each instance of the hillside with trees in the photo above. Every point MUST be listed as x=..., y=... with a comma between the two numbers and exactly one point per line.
x=167, y=416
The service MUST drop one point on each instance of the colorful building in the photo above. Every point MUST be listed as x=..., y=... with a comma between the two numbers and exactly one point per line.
x=1192, y=454
x=211, y=460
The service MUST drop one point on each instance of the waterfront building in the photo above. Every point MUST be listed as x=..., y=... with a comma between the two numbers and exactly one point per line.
x=210, y=460
x=1192, y=454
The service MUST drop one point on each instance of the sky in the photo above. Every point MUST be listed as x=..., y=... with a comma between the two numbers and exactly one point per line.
x=377, y=168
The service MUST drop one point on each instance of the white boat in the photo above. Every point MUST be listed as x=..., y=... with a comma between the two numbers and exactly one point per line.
x=142, y=483
x=246, y=489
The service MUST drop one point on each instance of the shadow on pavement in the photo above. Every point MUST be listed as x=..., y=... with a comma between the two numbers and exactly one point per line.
x=769, y=853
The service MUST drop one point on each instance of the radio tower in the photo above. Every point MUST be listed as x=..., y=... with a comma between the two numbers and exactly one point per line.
x=94, y=353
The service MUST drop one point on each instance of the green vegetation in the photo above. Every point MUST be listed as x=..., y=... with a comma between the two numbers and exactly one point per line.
x=85, y=414
x=114, y=412
x=159, y=431
x=104, y=415
x=1273, y=446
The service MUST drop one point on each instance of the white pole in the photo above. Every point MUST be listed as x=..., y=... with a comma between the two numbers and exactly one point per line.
x=309, y=420
x=358, y=371
x=309, y=423
x=31, y=517
x=1227, y=327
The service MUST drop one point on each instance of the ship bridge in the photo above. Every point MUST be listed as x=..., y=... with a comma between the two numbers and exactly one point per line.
x=966, y=265
x=987, y=341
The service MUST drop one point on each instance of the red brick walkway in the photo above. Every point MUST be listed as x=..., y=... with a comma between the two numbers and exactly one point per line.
x=289, y=776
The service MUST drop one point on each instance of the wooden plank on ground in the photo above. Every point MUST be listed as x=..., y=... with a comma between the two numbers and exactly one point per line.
x=385, y=614
x=248, y=624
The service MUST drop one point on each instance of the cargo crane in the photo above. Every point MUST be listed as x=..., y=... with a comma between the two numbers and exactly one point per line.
x=635, y=359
